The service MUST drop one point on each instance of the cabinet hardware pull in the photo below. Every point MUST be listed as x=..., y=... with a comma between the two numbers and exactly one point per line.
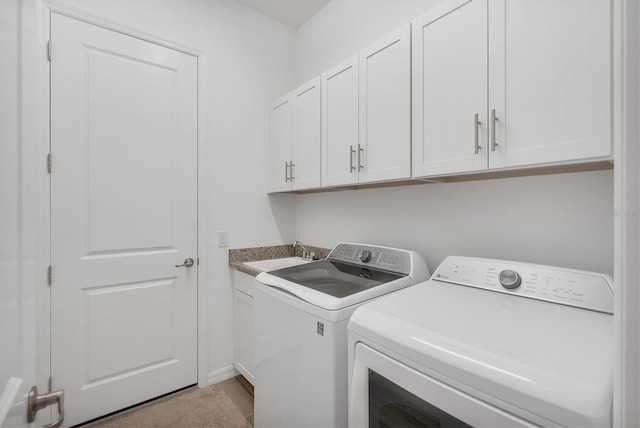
x=351, y=153
x=360, y=152
x=286, y=172
x=291, y=165
x=476, y=123
x=494, y=119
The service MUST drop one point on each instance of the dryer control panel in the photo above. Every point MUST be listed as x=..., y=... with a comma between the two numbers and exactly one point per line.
x=581, y=289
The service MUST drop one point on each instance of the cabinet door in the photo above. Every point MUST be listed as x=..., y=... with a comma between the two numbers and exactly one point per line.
x=340, y=124
x=450, y=89
x=550, y=80
x=305, y=172
x=280, y=139
x=385, y=109
x=244, y=333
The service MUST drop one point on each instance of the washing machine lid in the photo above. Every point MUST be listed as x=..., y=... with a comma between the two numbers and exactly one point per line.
x=334, y=278
x=333, y=285
x=549, y=359
x=353, y=273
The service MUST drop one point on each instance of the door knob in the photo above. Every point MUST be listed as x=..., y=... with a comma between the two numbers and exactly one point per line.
x=187, y=263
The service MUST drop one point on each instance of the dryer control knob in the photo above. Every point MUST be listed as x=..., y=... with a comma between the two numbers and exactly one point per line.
x=365, y=256
x=509, y=279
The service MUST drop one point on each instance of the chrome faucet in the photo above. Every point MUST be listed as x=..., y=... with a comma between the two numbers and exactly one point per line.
x=306, y=254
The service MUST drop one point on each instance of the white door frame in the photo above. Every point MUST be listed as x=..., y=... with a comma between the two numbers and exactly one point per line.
x=45, y=8
x=626, y=212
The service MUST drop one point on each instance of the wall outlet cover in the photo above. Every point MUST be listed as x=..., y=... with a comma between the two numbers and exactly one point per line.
x=223, y=238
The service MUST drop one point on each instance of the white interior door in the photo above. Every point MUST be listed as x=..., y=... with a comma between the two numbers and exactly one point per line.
x=123, y=215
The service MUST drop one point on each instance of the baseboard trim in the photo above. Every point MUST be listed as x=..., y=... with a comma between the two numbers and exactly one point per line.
x=222, y=374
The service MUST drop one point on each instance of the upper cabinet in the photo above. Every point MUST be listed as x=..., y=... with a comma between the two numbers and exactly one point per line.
x=473, y=85
x=280, y=139
x=294, y=140
x=516, y=83
x=305, y=167
x=450, y=56
x=366, y=102
x=340, y=124
x=550, y=80
x=385, y=108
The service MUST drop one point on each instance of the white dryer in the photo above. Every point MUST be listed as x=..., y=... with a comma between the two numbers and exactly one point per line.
x=486, y=343
x=301, y=316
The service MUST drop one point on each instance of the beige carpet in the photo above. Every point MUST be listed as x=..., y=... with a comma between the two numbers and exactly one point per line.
x=226, y=404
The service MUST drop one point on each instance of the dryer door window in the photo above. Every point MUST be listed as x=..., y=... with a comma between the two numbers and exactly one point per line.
x=392, y=406
x=387, y=393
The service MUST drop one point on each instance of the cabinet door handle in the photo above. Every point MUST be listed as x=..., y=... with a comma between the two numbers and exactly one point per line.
x=494, y=119
x=476, y=124
x=351, y=153
x=360, y=152
x=291, y=165
x=286, y=172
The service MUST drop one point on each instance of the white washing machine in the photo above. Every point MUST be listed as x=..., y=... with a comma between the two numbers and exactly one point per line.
x=486, y=343
x=301, y=316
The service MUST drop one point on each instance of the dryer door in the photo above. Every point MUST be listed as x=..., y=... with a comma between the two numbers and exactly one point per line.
x=385, y=392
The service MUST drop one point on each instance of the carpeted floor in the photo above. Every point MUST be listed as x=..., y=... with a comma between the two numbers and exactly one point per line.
x=226, y=404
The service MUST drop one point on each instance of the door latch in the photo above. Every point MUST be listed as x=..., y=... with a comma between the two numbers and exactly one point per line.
x=187, y=263
x=40, y=401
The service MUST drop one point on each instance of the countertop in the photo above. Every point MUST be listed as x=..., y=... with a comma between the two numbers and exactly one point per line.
x=239, y=256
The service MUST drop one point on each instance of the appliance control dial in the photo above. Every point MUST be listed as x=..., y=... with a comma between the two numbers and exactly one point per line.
x=365, y=256
x=509, y=279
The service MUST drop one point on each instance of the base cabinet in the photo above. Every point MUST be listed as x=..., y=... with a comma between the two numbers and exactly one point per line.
x=244, y=327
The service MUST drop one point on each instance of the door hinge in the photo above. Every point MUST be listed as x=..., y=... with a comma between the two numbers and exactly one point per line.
x=49, y=275
x=49, y=163
x=49, y=50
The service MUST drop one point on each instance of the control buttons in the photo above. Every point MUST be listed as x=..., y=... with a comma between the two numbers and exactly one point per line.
x=365, y=256
x=509, y=279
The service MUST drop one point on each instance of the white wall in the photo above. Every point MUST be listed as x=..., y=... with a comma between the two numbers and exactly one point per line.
x=250, y=64
x=562, y=219
x=343, y=27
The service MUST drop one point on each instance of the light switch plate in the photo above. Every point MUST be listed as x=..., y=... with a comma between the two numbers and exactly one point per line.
x=223, y=238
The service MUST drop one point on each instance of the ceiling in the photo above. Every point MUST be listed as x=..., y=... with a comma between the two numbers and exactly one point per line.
x=293, y=13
